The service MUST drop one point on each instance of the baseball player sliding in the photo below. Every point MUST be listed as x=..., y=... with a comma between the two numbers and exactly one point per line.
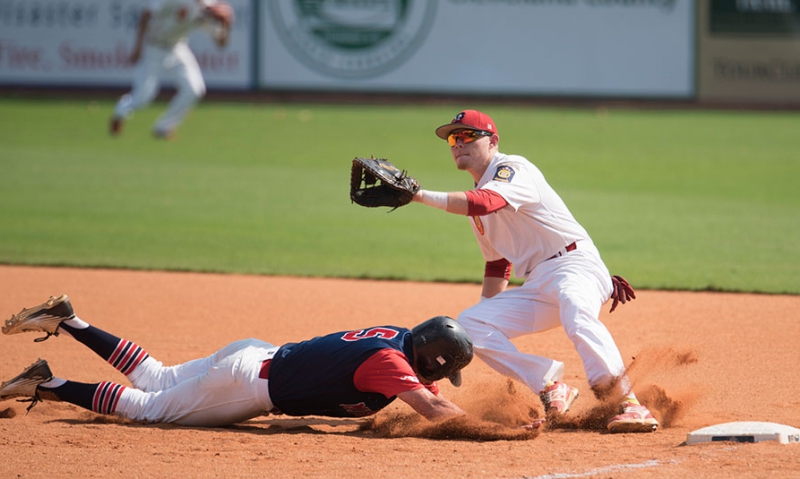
x=344, y=374
x=161, y=47
x=518, y=219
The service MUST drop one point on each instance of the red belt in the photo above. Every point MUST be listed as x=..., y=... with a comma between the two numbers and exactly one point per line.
x=570, y=247
x=264, y=372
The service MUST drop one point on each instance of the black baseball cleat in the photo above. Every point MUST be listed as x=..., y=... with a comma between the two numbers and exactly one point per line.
x=45, y=317
x=26, y=383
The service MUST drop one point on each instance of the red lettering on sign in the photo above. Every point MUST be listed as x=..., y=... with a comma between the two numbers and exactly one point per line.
x=20, y=57
x=88, y=58
x=218, y=62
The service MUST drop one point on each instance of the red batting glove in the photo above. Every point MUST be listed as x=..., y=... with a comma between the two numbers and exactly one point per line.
x=622, y=292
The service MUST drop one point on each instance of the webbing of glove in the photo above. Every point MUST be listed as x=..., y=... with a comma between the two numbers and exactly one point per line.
x=377, y=182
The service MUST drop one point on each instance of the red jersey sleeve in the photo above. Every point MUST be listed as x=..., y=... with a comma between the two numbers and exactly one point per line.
x=481, y=202
x=388, y=372
x=500, y=268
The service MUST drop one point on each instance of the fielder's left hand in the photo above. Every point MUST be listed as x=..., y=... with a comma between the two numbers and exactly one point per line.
x=622, y=292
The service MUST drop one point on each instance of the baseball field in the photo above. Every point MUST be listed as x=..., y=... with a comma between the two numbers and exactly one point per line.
x=242, y=227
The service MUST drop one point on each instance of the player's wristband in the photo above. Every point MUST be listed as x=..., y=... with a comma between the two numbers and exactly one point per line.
x=437, y=199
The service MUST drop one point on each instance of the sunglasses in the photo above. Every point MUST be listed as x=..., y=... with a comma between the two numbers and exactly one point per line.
x=466, y=136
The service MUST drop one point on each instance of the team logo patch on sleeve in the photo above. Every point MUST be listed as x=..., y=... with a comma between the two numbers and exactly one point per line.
x=504, y=173
x=478, y=224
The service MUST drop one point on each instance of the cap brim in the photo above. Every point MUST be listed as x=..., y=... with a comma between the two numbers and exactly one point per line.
x=455, y=379
x=444, y=131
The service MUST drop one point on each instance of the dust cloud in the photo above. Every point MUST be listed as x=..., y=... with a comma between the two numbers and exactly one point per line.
x=506, y=413
x=668, y=407
x=493, y=413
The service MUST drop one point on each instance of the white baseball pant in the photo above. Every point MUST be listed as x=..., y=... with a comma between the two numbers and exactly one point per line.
x=155, y=63
x=566, y=291
x=218, y=390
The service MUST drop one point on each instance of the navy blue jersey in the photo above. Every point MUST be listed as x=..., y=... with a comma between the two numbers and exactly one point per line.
x=315, y=377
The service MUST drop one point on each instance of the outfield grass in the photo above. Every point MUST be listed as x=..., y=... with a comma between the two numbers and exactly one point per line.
x=674, y=199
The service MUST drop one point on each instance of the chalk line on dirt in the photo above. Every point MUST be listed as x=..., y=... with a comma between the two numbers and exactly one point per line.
x=604, y=470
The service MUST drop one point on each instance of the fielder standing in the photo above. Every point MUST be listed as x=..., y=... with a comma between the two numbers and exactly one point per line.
x=161, y=47
x=344, y=374
x=519, y=220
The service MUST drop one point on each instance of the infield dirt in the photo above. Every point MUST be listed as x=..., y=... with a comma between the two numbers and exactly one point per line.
x=700, y=359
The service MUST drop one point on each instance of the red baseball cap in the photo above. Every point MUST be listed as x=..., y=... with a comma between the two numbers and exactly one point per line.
x=467, y=120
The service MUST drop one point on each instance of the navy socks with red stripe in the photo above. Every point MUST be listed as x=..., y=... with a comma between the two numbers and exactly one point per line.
x=101, y=398
x=124, y=355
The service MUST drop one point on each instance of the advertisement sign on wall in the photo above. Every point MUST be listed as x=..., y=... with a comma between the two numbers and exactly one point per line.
x=749, y=51
x=773, y=17
x=89, y=42
x=558, y=47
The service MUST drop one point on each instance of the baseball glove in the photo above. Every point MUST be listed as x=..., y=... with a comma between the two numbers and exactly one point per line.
x=376, y=182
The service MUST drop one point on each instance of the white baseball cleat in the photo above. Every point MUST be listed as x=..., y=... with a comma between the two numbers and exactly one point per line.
x=558, y=397
x=633, y=418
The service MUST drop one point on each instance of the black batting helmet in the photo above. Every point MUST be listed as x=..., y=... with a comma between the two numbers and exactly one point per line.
x=442, y=348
